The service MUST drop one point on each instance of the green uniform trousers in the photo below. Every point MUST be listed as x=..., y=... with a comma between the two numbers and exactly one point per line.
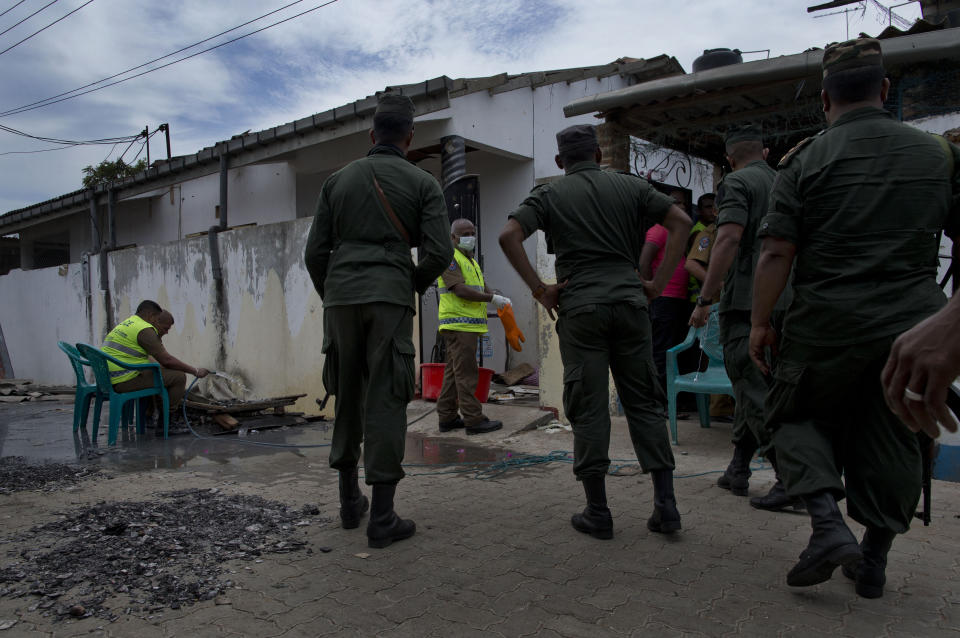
x=460, y=379
x=615, y=336
x=369, y=368
x=829, y=420
x=749, y=391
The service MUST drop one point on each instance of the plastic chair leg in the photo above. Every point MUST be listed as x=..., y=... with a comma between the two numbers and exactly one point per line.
x=97, y=408
x=166, y=414
x=703, y=407
x=116, y=418
x=81, y=403
x=672, y=415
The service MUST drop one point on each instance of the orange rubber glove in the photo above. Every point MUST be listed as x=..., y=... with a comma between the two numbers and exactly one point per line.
x=514, y=335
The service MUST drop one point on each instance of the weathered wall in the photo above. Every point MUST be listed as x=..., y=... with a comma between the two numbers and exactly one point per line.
x=269, y=330
x=37, y=309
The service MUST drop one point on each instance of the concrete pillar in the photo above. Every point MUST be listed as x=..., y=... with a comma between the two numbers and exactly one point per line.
x=614, y=145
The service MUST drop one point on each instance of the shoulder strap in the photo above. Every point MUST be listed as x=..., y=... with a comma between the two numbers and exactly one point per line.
x=392, y=216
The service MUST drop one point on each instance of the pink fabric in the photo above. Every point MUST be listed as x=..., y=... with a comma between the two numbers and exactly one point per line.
x=677, y=286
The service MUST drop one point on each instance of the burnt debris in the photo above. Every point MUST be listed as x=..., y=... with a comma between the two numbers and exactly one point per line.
x=16, y=475
x=144, y=557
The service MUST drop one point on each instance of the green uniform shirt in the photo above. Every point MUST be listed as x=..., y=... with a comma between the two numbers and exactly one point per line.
x=355, y=254
x=864, y=202
x=742, y=197
x=595, y=222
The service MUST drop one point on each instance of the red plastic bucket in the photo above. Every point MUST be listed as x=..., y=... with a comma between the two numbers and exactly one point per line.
x=433, y=380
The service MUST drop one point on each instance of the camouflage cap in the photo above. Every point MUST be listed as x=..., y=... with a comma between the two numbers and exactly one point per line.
x=743, y=133
x=577, y=137
x=396, y=104
x=851, y=54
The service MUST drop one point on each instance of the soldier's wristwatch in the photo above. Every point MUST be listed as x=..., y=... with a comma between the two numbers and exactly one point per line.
x=539, y=292
x=704, y=301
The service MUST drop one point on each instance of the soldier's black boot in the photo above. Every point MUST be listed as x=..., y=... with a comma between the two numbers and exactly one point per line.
x=385, y=526
x=353, y=504
x=595, y=518
x=736, y=477
x=666, y=517
x=870, y=574
x=776, y=499
x=831, y=544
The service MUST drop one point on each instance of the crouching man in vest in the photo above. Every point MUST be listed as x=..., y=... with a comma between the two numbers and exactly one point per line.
x=138, y=337
x=463, y=318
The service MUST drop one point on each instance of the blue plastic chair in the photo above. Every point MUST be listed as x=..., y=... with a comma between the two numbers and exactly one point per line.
x=98, y=361
x=713, y=380
x=86, y=392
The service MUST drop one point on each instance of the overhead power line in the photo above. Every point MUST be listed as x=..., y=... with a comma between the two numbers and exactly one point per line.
x=54, y=140
x=46, y=27
x=28, y=17
x=12, y=8
x=68, y=95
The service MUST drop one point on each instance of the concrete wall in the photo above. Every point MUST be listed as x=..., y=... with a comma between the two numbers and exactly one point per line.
x=37, y=309
x=268, y=331
x=261, y=194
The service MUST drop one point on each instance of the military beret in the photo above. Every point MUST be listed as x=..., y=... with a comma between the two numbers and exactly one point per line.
x=851, y=54
x=576, y=137
x=396, y=104
x=744, y=133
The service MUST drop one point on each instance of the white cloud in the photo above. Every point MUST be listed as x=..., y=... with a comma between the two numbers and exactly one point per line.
x=330, y=57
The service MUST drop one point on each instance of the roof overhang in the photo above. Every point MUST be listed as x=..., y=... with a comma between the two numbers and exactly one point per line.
x=690, y=113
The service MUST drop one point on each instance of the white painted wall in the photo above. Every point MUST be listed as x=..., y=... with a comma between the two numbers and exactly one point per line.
x=274, y=329
x=261, y=193
x=37, y=309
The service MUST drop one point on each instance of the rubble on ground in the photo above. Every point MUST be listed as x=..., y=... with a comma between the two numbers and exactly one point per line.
x=143, y=557
x=16, y=475
x=20, y=390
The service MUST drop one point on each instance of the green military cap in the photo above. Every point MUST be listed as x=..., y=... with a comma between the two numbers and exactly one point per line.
x=744, y=133
x=395, y=103
x=851, y=54
x=577, y=137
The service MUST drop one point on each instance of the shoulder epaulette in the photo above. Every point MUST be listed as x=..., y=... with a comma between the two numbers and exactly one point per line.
x=796, y=149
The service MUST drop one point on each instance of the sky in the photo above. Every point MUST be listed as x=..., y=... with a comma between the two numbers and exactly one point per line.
x=333, y=55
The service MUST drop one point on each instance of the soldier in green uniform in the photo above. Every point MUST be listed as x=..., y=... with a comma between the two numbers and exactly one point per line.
x=368, y=216
x=594, y=222
x=859, y=209
x=743, y=203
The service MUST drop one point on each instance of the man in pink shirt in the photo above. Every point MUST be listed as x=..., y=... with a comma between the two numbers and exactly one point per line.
x=670, y=312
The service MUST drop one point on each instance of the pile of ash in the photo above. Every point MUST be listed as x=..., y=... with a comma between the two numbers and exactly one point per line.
x=147, y=556
x=16, y=475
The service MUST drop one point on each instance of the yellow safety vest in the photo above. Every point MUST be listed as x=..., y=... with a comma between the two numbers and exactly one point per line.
x=459, y=314
x=121, y=343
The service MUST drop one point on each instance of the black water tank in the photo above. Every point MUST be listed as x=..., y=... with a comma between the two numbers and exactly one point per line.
x=713, y=58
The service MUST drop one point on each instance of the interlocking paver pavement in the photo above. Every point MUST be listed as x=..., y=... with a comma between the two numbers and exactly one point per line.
x=498, y=557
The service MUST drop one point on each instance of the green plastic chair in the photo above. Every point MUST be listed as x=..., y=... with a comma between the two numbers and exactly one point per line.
x=118, y=400
x=713, y=380
x=86, y=392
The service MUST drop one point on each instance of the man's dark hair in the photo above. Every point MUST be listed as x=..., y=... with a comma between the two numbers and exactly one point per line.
x=854, y=85
x=391, y=128
x=705, y=196
x=148, y=307
x=742, y=151
x=582, y=154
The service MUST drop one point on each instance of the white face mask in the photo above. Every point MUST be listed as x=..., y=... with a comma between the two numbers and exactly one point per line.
x=468, y=243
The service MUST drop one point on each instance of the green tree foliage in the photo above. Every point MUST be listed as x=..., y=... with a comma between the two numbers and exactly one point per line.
x=107, y=171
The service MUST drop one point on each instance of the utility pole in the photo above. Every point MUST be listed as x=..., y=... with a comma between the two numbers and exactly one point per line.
x=166, y=131
x=146, y=136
